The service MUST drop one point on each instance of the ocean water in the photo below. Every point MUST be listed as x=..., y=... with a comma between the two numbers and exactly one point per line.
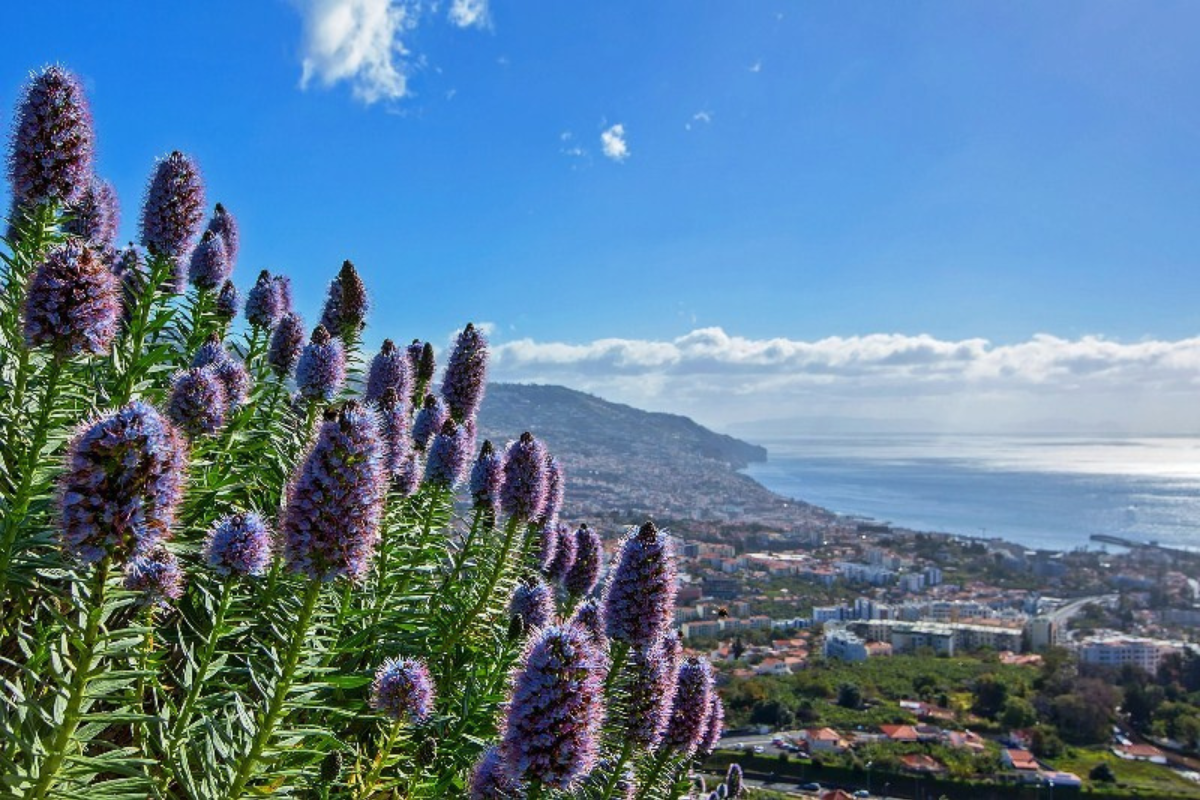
x=1041, y=491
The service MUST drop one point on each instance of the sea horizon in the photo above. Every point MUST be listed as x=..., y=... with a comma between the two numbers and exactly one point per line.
x=1048, y=491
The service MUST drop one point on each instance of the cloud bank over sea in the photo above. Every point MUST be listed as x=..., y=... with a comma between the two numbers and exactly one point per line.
x=1045, y=383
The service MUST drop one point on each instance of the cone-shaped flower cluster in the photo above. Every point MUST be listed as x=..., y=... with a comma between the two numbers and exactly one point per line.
x=690, y=708
x=239, y=544
x=589, y=616
x=389, y=370
x=173, y=210
x=490, y=780
x=53, y=144
x=564, y=555
x=345, y=311
x=424, y=364
x=227, y=302
x=287, y=342
x=95, y=217
x=734, y=786
x=713, y=728
x=403, y=690
x=647, y=702
x=407, y=479
x=156, y=576
x=321, y=370
x=546, y=542
x=449, y=454
x=552, y=729
x=523, y=493
x=123, y=481
x=269, y=300
x=331, y=522
x=73, y=303
x=466, y=374
x=555, y=487
x=129, y=268
x=393, y=431
x=639, y=600
x=429, y=421
x=225, y=226
x=210, y=265
x=229, y=369
x=584, y=573
x=198, y=403
x=532, y=603
x=487, y=476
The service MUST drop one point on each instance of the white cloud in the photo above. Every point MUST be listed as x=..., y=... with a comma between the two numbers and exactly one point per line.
x=699, y=117
x=612, y=141
x=959, y=384
x=756, y=66
x=357, y=41
x=469, y=13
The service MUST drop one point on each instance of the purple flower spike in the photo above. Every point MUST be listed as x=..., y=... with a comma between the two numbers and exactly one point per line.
x=389, y=370
x=403, y=690
x=584, y=573
x=426, y=364
x=129, y=267
x=639, y=600
x=229, y=369
x=564, y=555
x=691, y=707
x=734, y=786
x=466, y=374
x=227, y=301
x=73, y=304
x=156, y=576
x=490, y=780
x=53, y=143
x=589, y=616
x=525, y=477
x=210, y=266
x=321, y=370
x=532, y=603
x=287, y=341
x=554, y=492
x=335, y=501
x=448, y=455
x=393, y=430
x=429, y=421
x=713, y=728
x=345, y=311
x=264, y=306
x=198, y=401
x=123, y=483
x=487, y=476
x=239, y=544
x=647, y=701
x=95, y=216
x=552, y=729
x=225, y=226
x=547, y=545
x=173, y=210
x=283, y=290
x=408, y=478
x=672, y=648
x=413, y=352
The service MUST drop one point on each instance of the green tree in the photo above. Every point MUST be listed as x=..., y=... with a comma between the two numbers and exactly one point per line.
x=849, y=696
x=1018, y=713
x=991, y=695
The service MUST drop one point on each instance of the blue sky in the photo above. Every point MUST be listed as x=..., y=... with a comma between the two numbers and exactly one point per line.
x=978, y=173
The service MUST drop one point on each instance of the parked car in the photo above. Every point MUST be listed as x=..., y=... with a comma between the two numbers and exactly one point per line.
x=811, y=787
x=758, y=748
x=862, y=793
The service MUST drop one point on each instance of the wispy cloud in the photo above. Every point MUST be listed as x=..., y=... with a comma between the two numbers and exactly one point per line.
x=612, y=142
x=968, y=383
x=699, y=118
x=469, y=13
x=756, y=67
x=356, y=41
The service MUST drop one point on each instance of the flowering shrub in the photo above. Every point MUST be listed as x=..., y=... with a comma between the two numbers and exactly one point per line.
x=243, y=559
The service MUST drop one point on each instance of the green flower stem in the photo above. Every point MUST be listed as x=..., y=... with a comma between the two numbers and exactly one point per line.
x=151, y=295
x=381, y=757
x=14, y=520
x=535, y=790
x=196, y=328
x=459, y=560
x=656, y=769
x=611, y=786
x=57, y=751
x=279, y=694
x=206, y=657
x=510, y=531
x=620, y=653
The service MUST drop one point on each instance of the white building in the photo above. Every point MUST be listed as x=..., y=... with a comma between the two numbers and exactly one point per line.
x=1115, y=650
x=844, y=645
